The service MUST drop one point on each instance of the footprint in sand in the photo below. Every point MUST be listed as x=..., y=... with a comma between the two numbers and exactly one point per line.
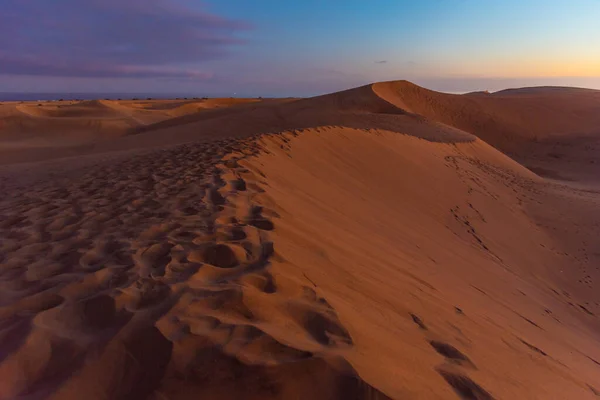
x=462, y=385
x=451, y=353
x=175, y=253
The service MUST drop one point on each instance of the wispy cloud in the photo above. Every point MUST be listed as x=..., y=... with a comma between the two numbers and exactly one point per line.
x=111, y=38
x=381, y=62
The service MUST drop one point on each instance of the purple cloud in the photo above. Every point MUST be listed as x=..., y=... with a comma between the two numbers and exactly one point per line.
x=111, y=38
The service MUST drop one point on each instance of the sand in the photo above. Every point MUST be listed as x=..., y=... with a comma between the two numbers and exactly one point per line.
x=367, y=244
x=41, y=129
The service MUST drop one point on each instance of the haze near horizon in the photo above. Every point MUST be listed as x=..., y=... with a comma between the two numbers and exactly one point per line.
x=293, y=49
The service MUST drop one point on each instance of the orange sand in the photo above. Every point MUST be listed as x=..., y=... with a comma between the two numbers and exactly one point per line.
x=368, y=244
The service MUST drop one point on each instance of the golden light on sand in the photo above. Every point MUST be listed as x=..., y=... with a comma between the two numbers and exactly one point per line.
x=385, y=242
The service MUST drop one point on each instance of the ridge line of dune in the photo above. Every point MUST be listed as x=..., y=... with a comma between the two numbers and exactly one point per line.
x=177, y=262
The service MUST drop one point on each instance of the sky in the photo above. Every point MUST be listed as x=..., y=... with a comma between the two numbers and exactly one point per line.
x=290, y=48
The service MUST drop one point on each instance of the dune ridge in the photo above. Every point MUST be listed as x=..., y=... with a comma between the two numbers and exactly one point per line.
x=358, y=245
x=508, y=120
x=503, y=119
x=52, y=125
x=440, y=240
x=165, y=290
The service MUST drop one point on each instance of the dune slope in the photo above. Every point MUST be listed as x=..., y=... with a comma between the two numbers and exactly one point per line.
x=151, y=277
x=504, y=119
x=50, y=127
x=435, y=265
x=349, y=246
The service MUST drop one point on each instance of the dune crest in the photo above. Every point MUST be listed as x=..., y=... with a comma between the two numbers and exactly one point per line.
x=436, y=243
x=54, y=129
x=504, y=119
x=367, y=244
x=164, y=290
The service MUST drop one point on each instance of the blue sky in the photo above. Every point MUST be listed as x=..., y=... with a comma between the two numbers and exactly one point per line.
x=295, y=48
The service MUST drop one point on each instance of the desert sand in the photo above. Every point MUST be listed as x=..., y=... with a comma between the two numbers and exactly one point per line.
x=385, y=242
x=70, y=126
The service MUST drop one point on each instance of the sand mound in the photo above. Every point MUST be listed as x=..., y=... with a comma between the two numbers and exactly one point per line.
x=508, y=120
x=38, y=129
x=504, y=119
x=456, y=282
x=59, y=124
x=344, y=257
x=554, y=131
x=83, y=109
x=156, y=280
x=359, y=108
x=330, y=263
x=540, y=90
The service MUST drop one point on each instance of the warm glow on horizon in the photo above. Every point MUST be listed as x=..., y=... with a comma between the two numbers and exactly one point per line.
x=538, y=68
x=275, y=48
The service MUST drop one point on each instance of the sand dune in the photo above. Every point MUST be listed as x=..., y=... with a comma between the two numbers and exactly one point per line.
x=510, y=122
x=436, y=244
x=507, y=120
x=504, y=119
x=75, y=123
x=369, y=244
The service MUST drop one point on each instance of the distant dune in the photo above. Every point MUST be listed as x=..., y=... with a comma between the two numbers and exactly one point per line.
x=384, y=242
x=540, y=90
x=500, y=119
x=75, y=123
x=503, y=119
x=507, y=119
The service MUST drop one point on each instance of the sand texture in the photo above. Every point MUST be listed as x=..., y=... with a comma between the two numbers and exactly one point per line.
x=386, y=242
x=40, y=129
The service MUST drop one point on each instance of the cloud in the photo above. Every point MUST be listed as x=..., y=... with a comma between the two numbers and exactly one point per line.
x=381, y=62
x=111, y=38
